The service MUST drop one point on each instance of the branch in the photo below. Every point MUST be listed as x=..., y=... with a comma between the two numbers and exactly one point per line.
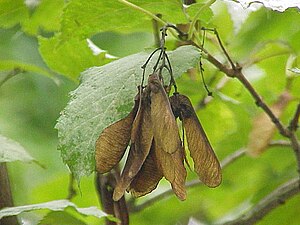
x=5, y=195
x=294, y=122
x=236, y=72
x=273, y=200
x=294, y=141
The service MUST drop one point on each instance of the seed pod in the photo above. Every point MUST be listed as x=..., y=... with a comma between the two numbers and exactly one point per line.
x=148, y=177
x=113, y=141
x=140, y=146
x=165, y=129
x=263, y=128
x=206, y=164
x=173, y=169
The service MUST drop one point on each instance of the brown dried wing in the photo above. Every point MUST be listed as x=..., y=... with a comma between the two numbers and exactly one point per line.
x=206, y=163
x=173, y=169
x=112, y=143
x=148, y=177
x=165, y=129
x=263, y=129
x=138, y=152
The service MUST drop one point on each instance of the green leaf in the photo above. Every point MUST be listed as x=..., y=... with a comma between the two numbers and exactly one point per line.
x=12, y=12
x=106, y=95
x=12, y=151
x=8, y=65
x=84, y=18
x=69, y=58
x=266, y=26
x=201, y=10
x=57, y=205
x=46, y=17
x=64, y=218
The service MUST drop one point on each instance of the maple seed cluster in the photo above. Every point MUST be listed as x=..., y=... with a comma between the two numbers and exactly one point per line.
x=156, y=150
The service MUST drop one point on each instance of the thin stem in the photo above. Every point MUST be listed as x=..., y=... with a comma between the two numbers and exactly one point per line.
x=223, y=48
x=153, y=16
x=156, y=31
x=294, y=122
x=192, y=26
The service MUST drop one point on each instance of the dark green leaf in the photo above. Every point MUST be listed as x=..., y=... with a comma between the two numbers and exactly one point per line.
x=85, y=18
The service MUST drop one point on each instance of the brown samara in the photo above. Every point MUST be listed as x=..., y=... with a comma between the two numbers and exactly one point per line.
x=156, y=149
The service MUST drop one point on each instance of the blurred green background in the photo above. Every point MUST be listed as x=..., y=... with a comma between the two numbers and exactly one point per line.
x=30, y=104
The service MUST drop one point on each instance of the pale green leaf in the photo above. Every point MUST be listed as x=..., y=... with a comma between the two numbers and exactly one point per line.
x=105, y=95
x=85, y=18
x=64, y=218
x=8, y=65
x=12, y=151
x=45, y=17
x=57, y=205
x=12, y=12
x=201, y=11
x=69, y=58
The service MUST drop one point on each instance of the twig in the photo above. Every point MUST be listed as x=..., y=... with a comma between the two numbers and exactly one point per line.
x=294, y=122
x=273, y=200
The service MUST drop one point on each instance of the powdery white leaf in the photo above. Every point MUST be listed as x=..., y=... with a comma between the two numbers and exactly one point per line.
x=277, y=5
x=57, y=205
x=105, y=95
x=295, y=70
x=12, y=151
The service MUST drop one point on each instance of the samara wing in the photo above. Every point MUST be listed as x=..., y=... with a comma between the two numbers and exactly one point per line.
x=165, y=129
x=113, y=141
x=206, y=164
x=148, y=177
x=139, y=150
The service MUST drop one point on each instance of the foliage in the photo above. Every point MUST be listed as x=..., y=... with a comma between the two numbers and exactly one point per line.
x=44, y=50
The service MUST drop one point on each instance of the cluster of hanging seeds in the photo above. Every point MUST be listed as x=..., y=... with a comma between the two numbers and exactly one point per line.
x=156, y=149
